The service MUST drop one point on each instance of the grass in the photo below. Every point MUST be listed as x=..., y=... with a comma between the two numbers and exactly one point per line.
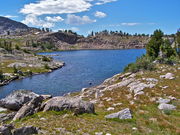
x=5, y=69
x=147, y=118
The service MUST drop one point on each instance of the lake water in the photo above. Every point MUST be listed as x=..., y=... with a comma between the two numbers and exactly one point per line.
x=82, y=67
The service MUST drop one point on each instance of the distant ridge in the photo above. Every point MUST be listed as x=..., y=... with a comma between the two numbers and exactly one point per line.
x=8, y=26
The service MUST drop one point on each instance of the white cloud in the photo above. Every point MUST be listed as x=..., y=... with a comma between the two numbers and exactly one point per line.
x=35, y=10
x=56, y=7
x=130, y=24
x=54, y=19
x=100, y=2
x=100, y=14
x=75, y=29
x=34, y=20
x=77, y=20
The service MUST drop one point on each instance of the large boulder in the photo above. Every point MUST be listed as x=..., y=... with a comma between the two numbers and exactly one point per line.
x=16, y=99
x=75, y=105
x=29, y=130
x=29, y=108
x=123, y=114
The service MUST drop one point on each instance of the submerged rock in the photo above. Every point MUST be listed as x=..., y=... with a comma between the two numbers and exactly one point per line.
x=76, y=105
x=123, y=114
x=16, y=99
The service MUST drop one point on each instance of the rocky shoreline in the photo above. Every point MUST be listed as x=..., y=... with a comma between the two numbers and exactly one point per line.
x=17, y=64
x=16, y=77
x=124, y=96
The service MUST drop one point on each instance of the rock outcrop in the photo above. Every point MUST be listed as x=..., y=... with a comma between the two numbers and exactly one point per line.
x=8, y=26
x=29, y=108
x=123, y=114
x=75, y=105
x=17, y=99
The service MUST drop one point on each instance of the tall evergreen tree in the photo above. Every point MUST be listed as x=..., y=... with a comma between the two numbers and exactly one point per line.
x=153, y=47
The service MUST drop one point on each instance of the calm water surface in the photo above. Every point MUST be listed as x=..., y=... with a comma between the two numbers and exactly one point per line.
x=82, y=68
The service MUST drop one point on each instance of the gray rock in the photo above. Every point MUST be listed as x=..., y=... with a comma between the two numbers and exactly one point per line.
x=161, y=100
x=164, y=106
x=29, y=130
x=123, y=114
x=29, y=108
x=138, y=86
x=6, y=129
x=76, y=105
x=124, y=82
x=16, y=99
x=168, y=76
x=6, y=117
x=17, y=64
x=3, y=109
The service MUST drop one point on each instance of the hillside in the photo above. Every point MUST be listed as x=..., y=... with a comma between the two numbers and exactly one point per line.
x=8, y=25
x=36, y=39
x=147, y=103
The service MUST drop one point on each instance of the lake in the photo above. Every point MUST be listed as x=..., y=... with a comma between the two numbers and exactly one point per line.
x=82, y=67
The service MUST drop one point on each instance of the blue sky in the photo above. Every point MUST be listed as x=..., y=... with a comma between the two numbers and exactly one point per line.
x=83, y=16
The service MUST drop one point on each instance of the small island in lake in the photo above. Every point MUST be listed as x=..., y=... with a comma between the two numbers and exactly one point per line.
x=68, y=68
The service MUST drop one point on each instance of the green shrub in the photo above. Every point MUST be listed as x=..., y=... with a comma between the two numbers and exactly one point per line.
x=167, y=50
x=15, y=69
x=142, y=63
x=25, y=51
x=17, y=47
x=1, y=76
x=170, y=61
x=153, y=47
x=46, y=66
x=47, y=59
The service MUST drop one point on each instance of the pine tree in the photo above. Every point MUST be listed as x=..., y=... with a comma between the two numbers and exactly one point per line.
x=153, y=47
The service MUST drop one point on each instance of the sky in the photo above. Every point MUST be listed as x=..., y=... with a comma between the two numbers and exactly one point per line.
x=84, y=16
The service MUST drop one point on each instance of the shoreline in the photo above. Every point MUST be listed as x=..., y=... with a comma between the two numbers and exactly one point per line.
x=51, y=70
x=6, y=82
x=85, y=50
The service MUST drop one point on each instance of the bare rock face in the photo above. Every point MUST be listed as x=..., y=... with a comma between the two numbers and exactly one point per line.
x=29, y=108
x=16, y=99
x=75, y=105
x=7, y=24
x=123, y=114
